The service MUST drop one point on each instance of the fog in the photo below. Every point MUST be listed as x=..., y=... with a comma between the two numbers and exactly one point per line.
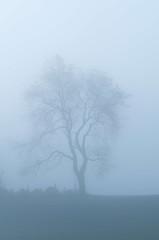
x=119, y=38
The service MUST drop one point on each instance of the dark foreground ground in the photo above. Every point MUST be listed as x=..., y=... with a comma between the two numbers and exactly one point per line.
x=76, y=218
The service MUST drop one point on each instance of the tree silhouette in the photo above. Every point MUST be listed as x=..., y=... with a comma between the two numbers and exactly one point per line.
x=73, y=113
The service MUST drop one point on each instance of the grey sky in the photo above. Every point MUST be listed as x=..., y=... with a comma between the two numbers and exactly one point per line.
x=116, y=36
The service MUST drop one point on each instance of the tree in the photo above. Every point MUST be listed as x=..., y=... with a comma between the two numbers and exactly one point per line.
x=1, y=181
x=78, y=109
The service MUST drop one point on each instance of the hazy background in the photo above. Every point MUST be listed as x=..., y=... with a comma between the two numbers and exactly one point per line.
x=119, y=37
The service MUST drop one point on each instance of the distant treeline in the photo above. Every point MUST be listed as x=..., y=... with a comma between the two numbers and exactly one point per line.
x=37, y=192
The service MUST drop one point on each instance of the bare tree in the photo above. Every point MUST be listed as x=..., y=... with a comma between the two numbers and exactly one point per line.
x=1, y=181
x=78, y=110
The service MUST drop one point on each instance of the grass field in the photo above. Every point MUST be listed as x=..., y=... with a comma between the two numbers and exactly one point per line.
x=87, y=218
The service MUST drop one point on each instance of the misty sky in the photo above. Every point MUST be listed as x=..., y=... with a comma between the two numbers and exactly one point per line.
x=118, y=37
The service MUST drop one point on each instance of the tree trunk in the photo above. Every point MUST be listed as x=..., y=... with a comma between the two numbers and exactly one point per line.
x=81, y=183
